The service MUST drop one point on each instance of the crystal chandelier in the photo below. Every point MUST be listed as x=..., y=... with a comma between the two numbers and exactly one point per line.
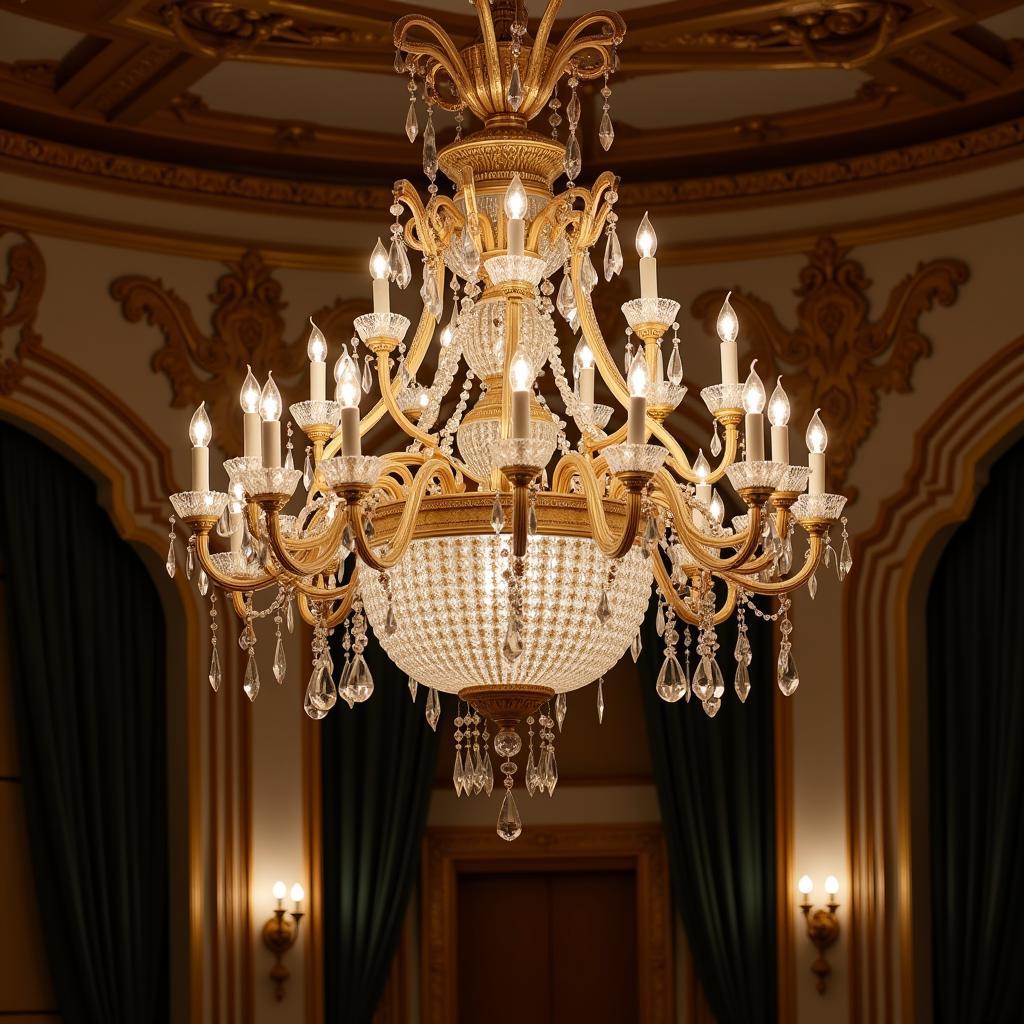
x=487, y=567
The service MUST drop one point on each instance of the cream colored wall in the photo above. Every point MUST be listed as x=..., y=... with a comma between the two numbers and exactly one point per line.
x=79, y=320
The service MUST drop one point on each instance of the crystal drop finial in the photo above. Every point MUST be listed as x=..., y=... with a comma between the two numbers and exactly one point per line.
x=588, y=274
x=324, y=693
x=786, y=555
x=604, y=609
x=674, y=371
x=743, y=650
x=636, y=647
x=741, y=683
x=606, y=133
x=488, y=775
x=307, y=472
x=531, y=524
x=412, y=123
x=512, y=648
x=251, y=682
x=360, y=680
x=711, y=706
x=717, y=679
x=497, y=514
x=289, y=459
x=203, y=584
x=703, y=681
x=510, y=825
x=390, y=622
x=565, y=301
x=515, y=88
x=612, y=256
x=573, y=158
x=716, y=443
x=551, y=771
x=348, y=538
x=600, y=700
x=309, y=704
x=190, y=562
x=215, y=674
x=413, y=688
x=289, y=617
x=430, y=150
x=812, y=585
x=470, y=256
x=573, y=108
x=531, y=774
x=659, y=621
x=459, y=775
x=367, y=379
x=561, y=707
x=845, y=562
x=399, y=266
x=788, y=677
x=432, y=711
x=280, y=661
x=670, y=685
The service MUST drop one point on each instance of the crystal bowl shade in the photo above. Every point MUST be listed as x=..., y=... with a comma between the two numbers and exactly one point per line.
x=481, y=332
x=478, y=441
x=451, y=606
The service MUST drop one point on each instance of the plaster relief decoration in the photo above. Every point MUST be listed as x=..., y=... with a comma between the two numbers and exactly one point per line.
x=837, y=358
x=21, y=289
x=247, y=329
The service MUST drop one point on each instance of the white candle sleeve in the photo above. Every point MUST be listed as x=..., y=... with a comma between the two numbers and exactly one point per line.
x=200, y=468
x=730, y=363
x=816, y=462
x=754, y=433
x=704, y=493
x=272, y=444
x=780, y=444
x=648, y=277
x=516, y=236
x=587, y=385
x=252, y=445
x=317, y=381
x=636, y=431
x=236, y=537
x=351, y=441
x=521, y=414
x=381, y=296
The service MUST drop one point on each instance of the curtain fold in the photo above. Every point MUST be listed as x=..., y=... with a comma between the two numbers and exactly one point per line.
x=976, y=759
x=377, y=766
x=716, y=788
x=88, y=671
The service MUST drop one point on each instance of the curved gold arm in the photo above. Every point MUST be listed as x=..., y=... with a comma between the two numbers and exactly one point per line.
x=283, y=555
x=347, y=596
x=611, y=546
x=540, y=42
x=428, y=472
x=443, y=51
x=680, y=606
x=224, y=581
x=783, y=586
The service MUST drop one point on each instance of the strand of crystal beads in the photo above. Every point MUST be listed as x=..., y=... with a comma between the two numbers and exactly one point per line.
x=459, y=116
x=430, y=145
x=399, y=267
x=549, y=771
x=606, y=132
x=845, y=561
x=612, y=249
x=530, y=775
x=555, y=118
x=360, y=679
x=458, y=772
x=672, y=683
x=708, y=682
x=515, y=83
x=488, y=770
x=478, y=763
x=448, y=432
x=346, y=645
x=743, y=655
x=247, y=641
x=280, y=661
x=510, y=825
x=674, y=369
x=573, y=155
x=787, y=675
x=215, y=674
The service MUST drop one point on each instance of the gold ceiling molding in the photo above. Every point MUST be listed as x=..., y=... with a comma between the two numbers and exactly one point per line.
x=248, y=329
x=836, y=358
x=21, y=290
x=885, y=672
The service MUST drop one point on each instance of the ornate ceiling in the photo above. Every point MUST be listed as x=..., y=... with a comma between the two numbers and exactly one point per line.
x=735, y=99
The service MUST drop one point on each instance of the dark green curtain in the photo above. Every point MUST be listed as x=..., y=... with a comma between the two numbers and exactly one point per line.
x=976, y=759
x=87, y=664
x=377, y=764
x=715, y=780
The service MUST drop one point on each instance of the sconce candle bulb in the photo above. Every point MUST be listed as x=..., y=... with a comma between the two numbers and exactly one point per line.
x=728, y=327
x=778, y=416
x=316, y=349
x=249, y=399
x=646, y=247
x=822, y=926
x=381, y=284
x=270, y=413
x=753, y=406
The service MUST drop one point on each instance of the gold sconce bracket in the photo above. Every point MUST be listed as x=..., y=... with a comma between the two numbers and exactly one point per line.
x=822, y=930
x=280, y=933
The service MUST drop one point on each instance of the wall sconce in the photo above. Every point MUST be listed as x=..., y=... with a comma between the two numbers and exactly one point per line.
x=822, y=925
x=281, y=931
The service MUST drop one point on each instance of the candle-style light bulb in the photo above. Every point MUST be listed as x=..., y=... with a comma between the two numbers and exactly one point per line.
x=249, y=396
x=805, y=885
x=831, y=885
x=646, y=238
x=379, y=262
x=816, y=436
x=270, y=400
x=279, y=890
x=424, y=400
x=520, y=373
x=199, y=429
x=586, y=356
x=515, y=199
x=716, y=509
x=316, y=347
x=701, y=470
x=778, y=406
x=728, y=324
x=753, y=392
x=639, y=377
x=346, y=375
x=447, y=335
x=298, y=893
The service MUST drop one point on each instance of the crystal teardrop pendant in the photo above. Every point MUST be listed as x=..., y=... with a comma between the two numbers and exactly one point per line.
x=675, y=371
x=604, y=610
x=215, y=675
x=612, y=255
x=512, y=648
x=307, y=472
x=348, y=538
x=845, y=561
x=565, y=300
x=510, y=825
x=289, y=617
x=573, y=108
x=280, y=661
x=203, y=584
x=573, y=158
x=458, y=775
x=402, y=271
x=588, y=275
x=531, y=774
x=251, y=682
x=367, y=380
x=309, y=705
x=224, y=523
x=429, y=150
x=600, y=700
x=716, y=443
x=741, y=683
x=743, y=651
x=432, y=711
x=788, y=677
x=412, y=124
x=786, y=555
x=703, y=681
x=636, y=647
x=711, y=706
x=659, y=621
x=670, y=686
x=488, y=774
x=190, y=563
x=531, y=523
x=606, y=133
x=289, y=458
x=515, y=88
x=497, y=514
x=812, y=585
x=551, y=772
x=717, y=679
x=413, y=688
x=325, y=694
x=561, y=707
x=360, y=681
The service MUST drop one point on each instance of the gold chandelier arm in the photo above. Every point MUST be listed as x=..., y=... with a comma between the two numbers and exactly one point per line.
x=346, y=596
x=574, y=464
x=224, y=580
x=493, y=58
x=817, y=547
x=402, y=537
x=297, y=568
x=540, y=43
x=442, y=51
x=680, y=605
x=574, y=43
x=329, y=538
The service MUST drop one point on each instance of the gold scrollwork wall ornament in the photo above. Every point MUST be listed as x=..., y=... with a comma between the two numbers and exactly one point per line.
x=20, y=293
x=836, y=358
x=248, y=329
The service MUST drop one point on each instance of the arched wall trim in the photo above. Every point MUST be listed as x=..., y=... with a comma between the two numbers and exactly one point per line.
x=895, y=559
x=66, y=408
